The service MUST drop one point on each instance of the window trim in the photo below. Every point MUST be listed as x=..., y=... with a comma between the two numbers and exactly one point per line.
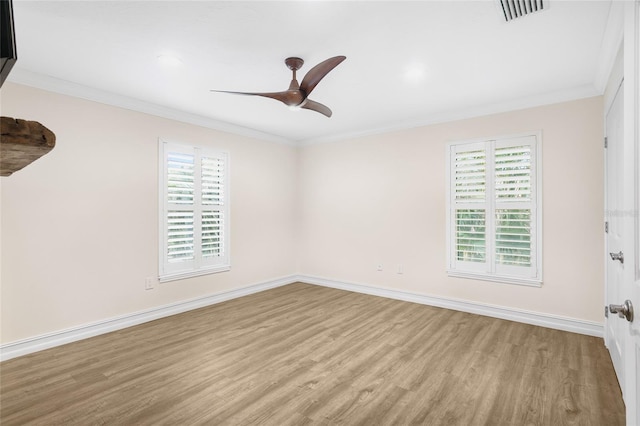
x=487, y=271
x=164, y=147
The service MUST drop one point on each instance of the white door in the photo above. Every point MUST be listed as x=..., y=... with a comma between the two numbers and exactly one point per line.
x=622, y=328
x=615, y=232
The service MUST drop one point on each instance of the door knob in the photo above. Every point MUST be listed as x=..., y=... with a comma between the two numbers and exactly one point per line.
x=617, y=256
x=624, y=311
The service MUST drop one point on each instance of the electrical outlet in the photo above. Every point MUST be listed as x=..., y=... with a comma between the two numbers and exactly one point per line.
x=400, y=270
x=149, y=283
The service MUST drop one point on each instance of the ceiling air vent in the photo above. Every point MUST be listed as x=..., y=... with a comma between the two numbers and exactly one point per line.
x=512, y=9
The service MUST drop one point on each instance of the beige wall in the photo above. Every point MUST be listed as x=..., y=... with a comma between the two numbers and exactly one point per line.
x=80, y=225
x=381, y=199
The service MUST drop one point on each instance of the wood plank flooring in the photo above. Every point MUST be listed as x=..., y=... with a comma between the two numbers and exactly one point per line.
x=303, y=354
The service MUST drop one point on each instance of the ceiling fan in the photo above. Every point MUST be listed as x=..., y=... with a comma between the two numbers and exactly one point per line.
x=296, y=96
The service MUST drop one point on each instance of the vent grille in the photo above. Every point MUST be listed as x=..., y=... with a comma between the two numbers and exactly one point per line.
x=512, y=9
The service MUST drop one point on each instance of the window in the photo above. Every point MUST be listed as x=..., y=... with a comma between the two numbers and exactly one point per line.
x=493, y=202
x=194, y=211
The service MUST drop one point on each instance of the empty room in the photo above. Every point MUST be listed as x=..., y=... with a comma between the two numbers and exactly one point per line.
x=319, y=212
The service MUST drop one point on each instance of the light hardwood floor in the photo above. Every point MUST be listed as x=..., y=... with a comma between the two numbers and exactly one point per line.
x=303, y=354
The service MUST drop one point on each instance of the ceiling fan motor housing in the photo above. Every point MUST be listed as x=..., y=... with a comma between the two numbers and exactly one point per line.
x=294, y=63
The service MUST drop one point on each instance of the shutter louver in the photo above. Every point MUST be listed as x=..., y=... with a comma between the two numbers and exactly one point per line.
x=212, y=234
x=180, y=178
x=513, y=237
x=212, y=181
x=470, y=175
x=513, y=173
x=470, y=235
x=180, y=236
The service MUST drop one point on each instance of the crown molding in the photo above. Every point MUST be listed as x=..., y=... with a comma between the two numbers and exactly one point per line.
x=580, y=92
x=64, y=87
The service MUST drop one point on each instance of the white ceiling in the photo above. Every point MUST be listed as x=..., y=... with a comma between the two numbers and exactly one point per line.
x=471, y=61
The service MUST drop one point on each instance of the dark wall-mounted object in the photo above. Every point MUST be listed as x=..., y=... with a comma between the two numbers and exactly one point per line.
x=8, y=55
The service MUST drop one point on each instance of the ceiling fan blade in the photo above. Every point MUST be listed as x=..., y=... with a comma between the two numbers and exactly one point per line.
x=317, y=106
x=317, y=73
x=288, y=97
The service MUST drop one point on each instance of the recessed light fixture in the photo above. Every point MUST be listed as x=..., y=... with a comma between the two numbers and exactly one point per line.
x=169, y=60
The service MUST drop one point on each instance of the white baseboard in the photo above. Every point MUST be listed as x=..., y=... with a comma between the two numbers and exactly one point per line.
x=589, y=328
x=50, y=340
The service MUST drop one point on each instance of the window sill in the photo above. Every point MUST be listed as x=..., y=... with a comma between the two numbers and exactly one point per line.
x=190, y=274
x=530, y=282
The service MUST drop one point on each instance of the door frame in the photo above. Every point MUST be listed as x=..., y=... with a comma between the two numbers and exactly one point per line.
x=631, y=132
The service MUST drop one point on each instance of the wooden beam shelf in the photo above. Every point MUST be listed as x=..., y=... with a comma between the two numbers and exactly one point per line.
x=21, y=143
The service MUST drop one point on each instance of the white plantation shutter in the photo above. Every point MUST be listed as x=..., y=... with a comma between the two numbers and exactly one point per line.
x=469, y=181
x=213, y=193
x=180, y=191
x=514, y=209
x=194, y=209
x=493, y=224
